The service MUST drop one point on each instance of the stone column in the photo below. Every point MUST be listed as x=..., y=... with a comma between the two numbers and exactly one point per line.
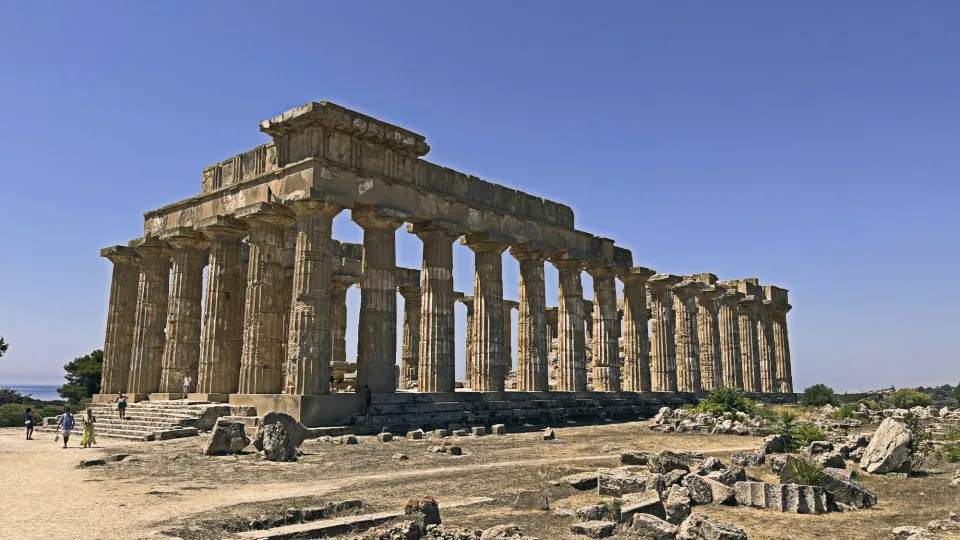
x=708, y=331
x=153, y=291
x=687, y=338
x=338, y=315
x=410, y=353
x=121, y=316
x=663, y=362
x=309, y=348
x=781, y=343
x=262, y=362
x=765, y=347
x=571, y=346
x=437, y=352
x=730, y=356
x=489, y=363
x=636, y=342
x=181, y=353
x=749, y=344
x=222, y=336
x=377, y=339
x=467, y=302
x=508, y=307
x=606, y=330
x=533, y=334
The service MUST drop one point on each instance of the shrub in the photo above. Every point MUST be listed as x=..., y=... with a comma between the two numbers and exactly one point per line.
x=725, y=401
x=956, y=392
x=783, y=425
x=918, y=432
x=953, y=435
x=9, y=395
x=907, y=398
x=846, y=411
x=12, y=415
x=806, y=472
x=818, y=395
x=805, y=434
x=951, y=453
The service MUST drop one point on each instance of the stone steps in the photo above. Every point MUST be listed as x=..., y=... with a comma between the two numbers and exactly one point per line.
x=149, y=421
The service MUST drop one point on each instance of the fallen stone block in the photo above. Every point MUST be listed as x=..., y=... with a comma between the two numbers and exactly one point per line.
x=581, y=481
x=385, y=436
x=673, y=478
x=700, y=527
x=478, y=431
x=889, y=449
x=645, y=502
x=439, y=433
x=846, y=491
x=701, y=488
x=593, y=512
x=91, y=463
x=498, y=429
x=773, y=444
x=454, y=450
x=549, y=435
x=424, y=511
x=635, y=457
x=667, y=461
x=618, y=482
x=747, y=459
x=790, y=498
x=830, y=460
x=594, y=529
x=820, y=447
x=649, y=527
x=350, y=440
x=532, y=500
x=227, y=438
x=729, y=476
x=415, y=435
x=678, y=505
x=710, y=465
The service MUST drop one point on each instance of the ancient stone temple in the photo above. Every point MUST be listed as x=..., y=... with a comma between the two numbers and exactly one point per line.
x=268, y=329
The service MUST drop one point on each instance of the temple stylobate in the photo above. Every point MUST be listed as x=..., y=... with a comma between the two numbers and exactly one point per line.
x=269, y=327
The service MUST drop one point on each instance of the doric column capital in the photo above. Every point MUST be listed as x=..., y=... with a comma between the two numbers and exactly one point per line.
x=729, y=298
x=409, y=292
x=530, y=251
x=223, y=227
x=783, y=309
x=344, y=280
x=379, y=217
x=487, y=242
x=567, y=264
x=312, y=201
x=636, y=274
x=150, y=246
x=185, y=238
x=510, y=304
x=750, y=304
x=663, y=281
x=688, y=288
x=767, y=306
x=270, y=213
x=120, y=255
x=597, y=271
x=437, y=227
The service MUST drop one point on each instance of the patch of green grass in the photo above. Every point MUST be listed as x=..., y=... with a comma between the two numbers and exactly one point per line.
x=951, y=453
x=723, y=401
x=804, y=434
x=806, y=472
x=846, y=411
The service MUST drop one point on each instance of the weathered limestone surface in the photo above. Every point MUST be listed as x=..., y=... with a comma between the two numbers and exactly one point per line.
x=606, y=330
x=121, y=317
x=437, y=360
x=508, y=307
x=533, y=374
x=408, y=285
x=181, y=353
x=765, y=346
x=377, y=339
x=749, y=345
x=708, y=332
x=781, y=342
x=489, y=364
x=467, y=301
x=636, y=342
x=663, y=364
x=729, y=327
x=153, y=291
x=221, y=341
x=340, y=284
x=262, y=362
x=309, y=341
x=571, y=348
x=687, y=338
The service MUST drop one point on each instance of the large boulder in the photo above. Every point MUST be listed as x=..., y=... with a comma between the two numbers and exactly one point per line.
x=645, y=502
x=667, y=461
x=678, y=505
x=705, y=490
x=748, y=459
x=700, y=527
x=532, y=500
x=651, y=528
x=228, y=437
x=889, y=448
x=424, y=511
x=278, y=436
x=846, y=491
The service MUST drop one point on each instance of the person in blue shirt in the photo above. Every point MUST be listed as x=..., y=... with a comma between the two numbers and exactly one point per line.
x=65, y=425
x=29, y=415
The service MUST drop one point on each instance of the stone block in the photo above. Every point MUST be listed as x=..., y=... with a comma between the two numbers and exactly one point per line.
x=700, y=527
x=532, y=500
x=581, y=481
x=499, y=429
x=478, y=431
x=618, y=482
x=649, y=527
x=385, y=436
x=845, y=490
x=889, y=449
x=644, y=502
x=635, y=457
x=439, y=433
x=678, y=504
x=790, y=498
x=594, y=529
x=667, y=461
x=706, y=490
x=748, y=459
x=593, y=512
x=415, y=434
x=227, y=438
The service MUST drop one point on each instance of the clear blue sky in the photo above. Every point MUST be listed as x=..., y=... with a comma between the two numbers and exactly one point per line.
x=813, y=145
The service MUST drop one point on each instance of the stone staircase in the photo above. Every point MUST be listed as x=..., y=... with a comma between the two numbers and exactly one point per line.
x=150, y=420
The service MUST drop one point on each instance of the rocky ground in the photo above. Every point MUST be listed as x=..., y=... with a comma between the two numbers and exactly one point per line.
x=169, y=489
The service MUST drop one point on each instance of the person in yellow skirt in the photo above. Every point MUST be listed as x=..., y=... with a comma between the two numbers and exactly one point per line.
x=89, y=435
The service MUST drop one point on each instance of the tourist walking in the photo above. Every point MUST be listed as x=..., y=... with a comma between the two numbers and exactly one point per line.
x=89, y=436
x=122, y=405
x=65, y=425
x=29, y=423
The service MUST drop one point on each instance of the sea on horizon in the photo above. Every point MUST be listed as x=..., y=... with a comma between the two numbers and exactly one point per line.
x=44, y=392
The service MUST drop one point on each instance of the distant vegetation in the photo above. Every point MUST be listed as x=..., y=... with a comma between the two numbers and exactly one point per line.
x=83, y=378
x=819, y=395
x=13, y=408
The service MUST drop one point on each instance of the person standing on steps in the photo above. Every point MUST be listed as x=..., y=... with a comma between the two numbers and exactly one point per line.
x=122, y=405
x=187, y=381
x=367, y=398
x=65, y=425
x=89, y=436
x=29, y=423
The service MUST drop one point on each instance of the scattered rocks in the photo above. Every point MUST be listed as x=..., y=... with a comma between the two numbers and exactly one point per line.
x=653, y=528
x=747, y=459
x=594, y=529
x=700, y=527
x=791, y=498
x=581, y=481
x=645, y=502
x=532, y=500
x=889, y=448
x=227, y=438
x=279, y=436
x=677, y=506
x=501, y=531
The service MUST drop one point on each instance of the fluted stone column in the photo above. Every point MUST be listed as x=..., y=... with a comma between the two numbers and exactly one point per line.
x=708, y=331
x=489, y=364
x=309, y=347
x=663, y=362
x=338, y=315
x=687, y=338
x=121, y=317
x=181, y=353
x=508, y=307
x=636, y=341
x=377, y=339
x=222, y=337
x=262, y=361
x=781, y=343
x=730, y=356
x=410, y=352
x=467, y=302
x=606, y=330
x=749, y=343
x=571, y=346
x=437, y=352
x=153, y=291
x=533, y=335
x=765, y=346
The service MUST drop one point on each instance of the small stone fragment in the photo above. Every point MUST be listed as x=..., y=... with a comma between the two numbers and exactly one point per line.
x=415, y=435
x=549, y=435
x=532, y=500
x=498, y=429
x=593, y=512
x=401, y=457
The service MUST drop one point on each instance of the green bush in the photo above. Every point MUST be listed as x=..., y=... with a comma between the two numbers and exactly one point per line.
x=907, y=398
x=846, y=411
x=12, y=415
x=725, y=401
x=803, y=435
x=818, y=395
x=9, y=395
x=783, y=425
x=918, y=432
x=806, y=472
x=951, y=453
